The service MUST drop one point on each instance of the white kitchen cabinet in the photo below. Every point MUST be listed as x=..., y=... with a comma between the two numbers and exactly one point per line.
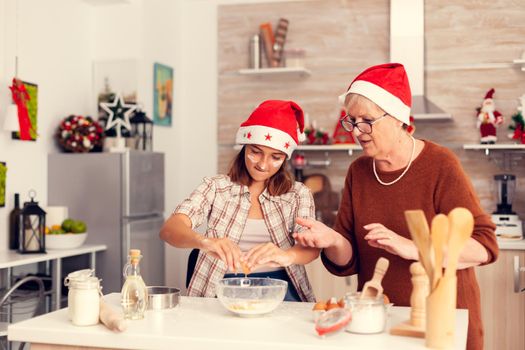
x=503, y=310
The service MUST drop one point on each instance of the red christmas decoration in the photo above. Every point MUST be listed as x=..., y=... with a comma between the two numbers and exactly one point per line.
x=341, y=135
x=20, y=98
x=488, y=119
x=518, y=128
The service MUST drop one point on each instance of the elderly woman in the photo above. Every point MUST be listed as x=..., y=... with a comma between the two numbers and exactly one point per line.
x=396, y=173
x=250, y=213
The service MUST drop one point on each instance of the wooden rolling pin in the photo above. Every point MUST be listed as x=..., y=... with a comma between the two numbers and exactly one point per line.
x=111, y=318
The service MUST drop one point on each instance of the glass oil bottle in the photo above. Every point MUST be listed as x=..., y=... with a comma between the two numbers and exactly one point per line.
x=134, y=294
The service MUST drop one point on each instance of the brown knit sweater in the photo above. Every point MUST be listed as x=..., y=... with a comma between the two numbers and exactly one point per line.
x=435, y=183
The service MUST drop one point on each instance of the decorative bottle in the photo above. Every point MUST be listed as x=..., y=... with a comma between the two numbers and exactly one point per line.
x=14, y=223
x=134, y=294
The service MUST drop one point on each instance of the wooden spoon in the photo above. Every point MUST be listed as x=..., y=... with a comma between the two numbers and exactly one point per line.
x=439, y=238
x=419, y=231
x=461, y=226
x=373, y=288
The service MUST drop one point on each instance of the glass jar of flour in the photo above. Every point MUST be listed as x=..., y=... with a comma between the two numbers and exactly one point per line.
x=83, y=297
x=369, y=315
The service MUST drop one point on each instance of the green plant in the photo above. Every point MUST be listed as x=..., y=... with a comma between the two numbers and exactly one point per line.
x=3, y=172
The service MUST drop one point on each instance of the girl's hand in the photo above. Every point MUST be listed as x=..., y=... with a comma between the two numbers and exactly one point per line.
x=381, y=237
x=223, y=249
x=267, y=254
x=317, y=235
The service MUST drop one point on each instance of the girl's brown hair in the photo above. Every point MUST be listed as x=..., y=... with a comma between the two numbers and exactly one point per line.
x=280, y=183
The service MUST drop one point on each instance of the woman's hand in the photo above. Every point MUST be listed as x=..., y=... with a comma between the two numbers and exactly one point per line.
x=267, y=254
x=224, y=249
x=381, y=237
x=317, y=235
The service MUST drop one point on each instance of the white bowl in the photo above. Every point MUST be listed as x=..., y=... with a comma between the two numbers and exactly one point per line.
x=250, y=297
x=65, y=240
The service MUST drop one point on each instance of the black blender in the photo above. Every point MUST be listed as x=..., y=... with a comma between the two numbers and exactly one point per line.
x=508, y=224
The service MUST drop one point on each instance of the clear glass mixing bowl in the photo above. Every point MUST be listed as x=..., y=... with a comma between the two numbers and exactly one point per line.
x=251, y=296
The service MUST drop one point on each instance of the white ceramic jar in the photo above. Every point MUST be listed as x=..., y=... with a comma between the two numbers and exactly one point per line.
x=368, y=314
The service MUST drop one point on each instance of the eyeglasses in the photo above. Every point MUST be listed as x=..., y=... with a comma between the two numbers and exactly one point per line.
x=365, y=127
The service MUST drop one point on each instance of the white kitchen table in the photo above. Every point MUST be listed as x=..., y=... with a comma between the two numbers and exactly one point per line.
x=202, y=323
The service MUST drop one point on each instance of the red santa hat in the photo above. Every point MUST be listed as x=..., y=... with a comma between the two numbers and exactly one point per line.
x=387, y=86
x=276, y=124
x=490, y=94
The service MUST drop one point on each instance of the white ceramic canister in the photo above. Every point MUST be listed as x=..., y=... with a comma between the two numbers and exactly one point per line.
x=71, y=279
x=55, y=215
x=84, y=296
x=368, y=314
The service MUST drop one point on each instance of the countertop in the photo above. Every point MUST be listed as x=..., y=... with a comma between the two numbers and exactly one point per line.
x=202, y=323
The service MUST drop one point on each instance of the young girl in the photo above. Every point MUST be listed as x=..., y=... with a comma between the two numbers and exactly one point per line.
x=250, y=213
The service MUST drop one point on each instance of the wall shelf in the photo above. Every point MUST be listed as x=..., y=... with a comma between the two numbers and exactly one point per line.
x=300, y=71
x=520, y=61
x=510, y=154
x=497, y=146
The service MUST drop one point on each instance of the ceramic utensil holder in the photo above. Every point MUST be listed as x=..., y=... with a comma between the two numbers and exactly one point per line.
x=441, y=314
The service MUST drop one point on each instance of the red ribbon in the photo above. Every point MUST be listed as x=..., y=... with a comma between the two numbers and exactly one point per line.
x=21, y=97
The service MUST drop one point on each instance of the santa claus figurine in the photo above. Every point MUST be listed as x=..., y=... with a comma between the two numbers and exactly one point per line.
x=488, y=119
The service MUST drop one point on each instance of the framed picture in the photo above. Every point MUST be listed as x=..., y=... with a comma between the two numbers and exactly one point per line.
x=32, y=111
x=162, y=94
x=3, y=174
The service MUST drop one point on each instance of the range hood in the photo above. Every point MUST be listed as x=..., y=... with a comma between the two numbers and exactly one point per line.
x=407, y=46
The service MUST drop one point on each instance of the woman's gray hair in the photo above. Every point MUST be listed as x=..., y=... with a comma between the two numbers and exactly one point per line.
x=352, y=99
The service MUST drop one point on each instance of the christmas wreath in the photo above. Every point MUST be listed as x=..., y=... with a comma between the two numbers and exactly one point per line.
x=80, y=134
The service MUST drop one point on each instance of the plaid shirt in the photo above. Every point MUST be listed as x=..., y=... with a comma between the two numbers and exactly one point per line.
x=225, y=205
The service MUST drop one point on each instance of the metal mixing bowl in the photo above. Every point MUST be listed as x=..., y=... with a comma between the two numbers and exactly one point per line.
x=160, y=297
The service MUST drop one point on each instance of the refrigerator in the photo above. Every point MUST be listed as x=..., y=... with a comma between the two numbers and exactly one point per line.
x=120, y=196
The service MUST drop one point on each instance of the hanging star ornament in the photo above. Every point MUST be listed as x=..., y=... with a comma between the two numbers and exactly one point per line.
x=118, y=114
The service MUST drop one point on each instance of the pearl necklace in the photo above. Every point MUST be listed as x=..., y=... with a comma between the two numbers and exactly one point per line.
x=404, y=172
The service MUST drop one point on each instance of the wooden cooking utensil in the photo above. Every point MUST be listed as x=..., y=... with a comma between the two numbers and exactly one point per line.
x=419, y=231
x=461, y=224
x=439, y=237
x=373, y=288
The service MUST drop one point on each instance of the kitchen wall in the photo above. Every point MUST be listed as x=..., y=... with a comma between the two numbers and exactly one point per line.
x=54, y=52
x=470, y=46
x=469, y=49
x=58, y=42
